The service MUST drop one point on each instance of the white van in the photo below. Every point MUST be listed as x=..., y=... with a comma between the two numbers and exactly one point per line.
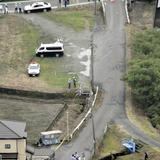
x=50, y=50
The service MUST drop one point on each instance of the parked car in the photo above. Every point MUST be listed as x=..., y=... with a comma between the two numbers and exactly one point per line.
x=50, y=50
x=37, y=7
x=34, y=69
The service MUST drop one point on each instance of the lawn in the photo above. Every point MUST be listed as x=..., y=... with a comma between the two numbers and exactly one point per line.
x=71, y=17
x=18, y=43
x=37, y=114
x=112, y=143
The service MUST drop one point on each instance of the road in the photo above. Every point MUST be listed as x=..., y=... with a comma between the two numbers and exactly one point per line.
x=109, y=65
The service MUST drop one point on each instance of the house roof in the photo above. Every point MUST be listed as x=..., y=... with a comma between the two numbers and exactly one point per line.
x=12, y=129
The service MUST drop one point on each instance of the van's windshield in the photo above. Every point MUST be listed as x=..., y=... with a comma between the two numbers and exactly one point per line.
x=38, y=47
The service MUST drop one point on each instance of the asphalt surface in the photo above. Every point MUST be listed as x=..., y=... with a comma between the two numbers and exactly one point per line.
x=109, y=65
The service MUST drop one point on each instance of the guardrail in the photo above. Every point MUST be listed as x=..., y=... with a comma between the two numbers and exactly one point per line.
x=126, y=8
x=85, y=115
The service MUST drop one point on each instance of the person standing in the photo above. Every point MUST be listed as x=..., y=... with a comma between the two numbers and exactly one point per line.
x=69, y=83
x=65, y=2
x=74, y=81
x=146, y=156
x=83, y=156
x=16, y=7
x=60, y=3
x=68, y=2
x=20, y=8
x=6, y=9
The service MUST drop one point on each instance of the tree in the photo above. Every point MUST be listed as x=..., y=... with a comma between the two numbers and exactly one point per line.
x=146, y=43
x=144, y=79
x=154, y=114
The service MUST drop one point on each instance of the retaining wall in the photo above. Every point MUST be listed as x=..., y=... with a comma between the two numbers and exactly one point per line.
x=42, y=95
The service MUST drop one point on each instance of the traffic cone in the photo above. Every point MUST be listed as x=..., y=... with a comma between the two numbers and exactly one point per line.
x=111, y=1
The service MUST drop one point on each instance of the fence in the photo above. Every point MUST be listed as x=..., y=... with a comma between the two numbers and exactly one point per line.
x=85, y=115
x=126, y=8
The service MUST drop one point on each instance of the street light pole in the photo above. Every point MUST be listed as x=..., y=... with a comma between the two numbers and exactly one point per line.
x=95, y=6
x=92, y=63
x=67, y=127
x=58, y=4
x=94, y=138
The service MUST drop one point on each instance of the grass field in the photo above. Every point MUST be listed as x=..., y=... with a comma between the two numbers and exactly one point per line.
x=112, y=143
x=77, y=19
x=37, y=114
x=18, y=43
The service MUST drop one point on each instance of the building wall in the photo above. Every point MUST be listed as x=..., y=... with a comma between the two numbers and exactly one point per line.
x=12, y=149
x=22, y=149
x=16, y=146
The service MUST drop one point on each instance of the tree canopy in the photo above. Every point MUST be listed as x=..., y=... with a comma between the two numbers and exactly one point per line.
x=144, y=74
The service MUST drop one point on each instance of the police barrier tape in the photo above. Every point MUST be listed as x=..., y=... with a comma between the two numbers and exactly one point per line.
x=61, y=142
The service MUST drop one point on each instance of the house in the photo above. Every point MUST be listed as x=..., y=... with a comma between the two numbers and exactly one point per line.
x=13, y=140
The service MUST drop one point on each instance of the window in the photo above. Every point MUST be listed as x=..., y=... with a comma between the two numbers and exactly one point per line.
x=7, y=146
x=42, y=48
x=57, y=48
x=53, y=48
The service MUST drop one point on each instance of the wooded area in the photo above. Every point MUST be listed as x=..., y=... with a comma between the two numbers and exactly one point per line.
x=144, y=74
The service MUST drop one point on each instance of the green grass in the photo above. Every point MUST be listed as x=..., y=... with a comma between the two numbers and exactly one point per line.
x=53, y=72
x=78, y=20
x=26, y=39
x=38, y=115
x=112, y=143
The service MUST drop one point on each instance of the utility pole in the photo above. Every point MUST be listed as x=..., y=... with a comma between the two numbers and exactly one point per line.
x=67, y=127
x=92, y=63
x=95, y=6
x=58, y=4
x=94, y=138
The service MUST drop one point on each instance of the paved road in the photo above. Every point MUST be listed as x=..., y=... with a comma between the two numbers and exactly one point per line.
x=108, y=67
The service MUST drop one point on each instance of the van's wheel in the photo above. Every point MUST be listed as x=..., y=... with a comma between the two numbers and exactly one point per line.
x=57, y=55
x=44, y=10
x=28, y=12
x=41, y=55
